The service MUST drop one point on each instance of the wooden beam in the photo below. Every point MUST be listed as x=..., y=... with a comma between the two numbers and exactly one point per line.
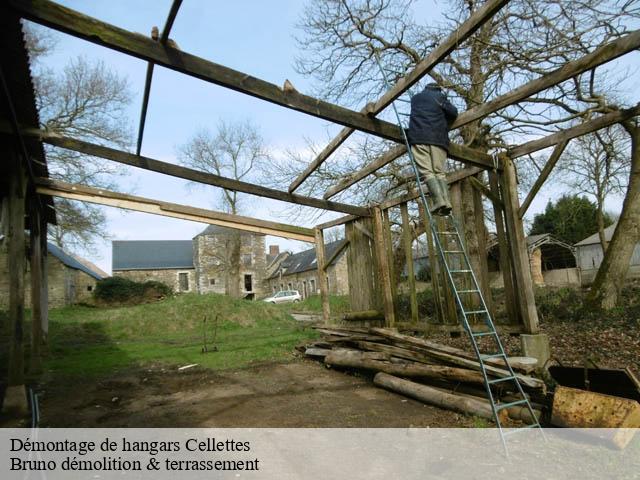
x=384, y=273
x=101, y=33
x=322, y=276
x=336, y=253
x=408, y=251
x=158, y=207
x=35, y=257
x=518, y=244
x=577, y=131
x=190, y=174
x=337, y=221
x=599, y=56
x=482, y=188
x=548, y=167
x=462, y=33
x=386, y=230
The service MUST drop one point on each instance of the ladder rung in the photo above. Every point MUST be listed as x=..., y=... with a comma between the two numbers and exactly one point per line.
x=482, y=334
x=447, y=233
x=459, y=271
x=453, y=251
x=502, y=406
x=489, y=356
x=475, y=312
x=502, y=379
x=521, y=429
x=468, y=291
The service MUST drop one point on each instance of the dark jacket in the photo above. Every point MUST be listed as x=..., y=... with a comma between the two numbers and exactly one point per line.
x=431, y=116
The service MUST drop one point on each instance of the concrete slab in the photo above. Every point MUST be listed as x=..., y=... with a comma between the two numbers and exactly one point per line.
x=536, y=346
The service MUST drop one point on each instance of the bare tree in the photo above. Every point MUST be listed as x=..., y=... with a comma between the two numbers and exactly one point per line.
x=597, y=165
x=85, y=100
x=236, y=150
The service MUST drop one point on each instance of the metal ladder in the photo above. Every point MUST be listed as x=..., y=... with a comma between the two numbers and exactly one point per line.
x=455, y=261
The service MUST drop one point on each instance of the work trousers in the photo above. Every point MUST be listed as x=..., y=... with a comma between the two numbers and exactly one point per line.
x=431, y=160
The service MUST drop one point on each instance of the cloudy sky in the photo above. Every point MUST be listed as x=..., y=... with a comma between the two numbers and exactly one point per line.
x=255, y=37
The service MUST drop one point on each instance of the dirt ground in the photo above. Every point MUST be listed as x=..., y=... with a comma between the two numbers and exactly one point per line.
x=303, y=393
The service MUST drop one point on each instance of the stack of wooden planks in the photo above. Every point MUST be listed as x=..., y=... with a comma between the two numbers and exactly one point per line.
x=436, y=374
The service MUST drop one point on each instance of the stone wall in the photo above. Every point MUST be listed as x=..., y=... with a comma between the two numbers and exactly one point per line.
x=168, y=276
x=210, y=255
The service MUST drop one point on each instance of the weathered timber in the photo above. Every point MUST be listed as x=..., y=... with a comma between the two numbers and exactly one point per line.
x=599, y=56
x=482, y=188
x=190, y=174
x=518, y=248
x=363, y=315
x=544, y=174
x=386, y=227
x=464, y=31
x=317, y=352
x=337, y=221
x=361, y=268
x=158, y=207
x=358, y=359
x=408, y=250
x=36, y=275
x=384, y=274
x=433, y=396
x=323, y=282
x=433, y=264
x=573, y=132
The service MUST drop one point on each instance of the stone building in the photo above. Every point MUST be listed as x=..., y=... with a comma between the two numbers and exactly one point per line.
x=70, y=279
x=197, y=265
x=299, y=271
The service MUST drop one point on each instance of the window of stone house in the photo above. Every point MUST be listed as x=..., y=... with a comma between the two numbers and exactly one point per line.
x=89, y=288
x=183, y=282
x=248, y=283
x=212, y=281
x=312, y=282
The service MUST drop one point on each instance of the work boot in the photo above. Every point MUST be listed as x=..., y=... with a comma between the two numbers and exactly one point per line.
x=444, y=187
x=437, y=202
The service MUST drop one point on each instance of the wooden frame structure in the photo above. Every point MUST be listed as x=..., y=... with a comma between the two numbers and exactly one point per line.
x=368, y=231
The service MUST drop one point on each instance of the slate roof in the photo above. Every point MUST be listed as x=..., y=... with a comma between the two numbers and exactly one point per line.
x=71, y=262
x=306, y=260
x=151, y=254
x=590, y=240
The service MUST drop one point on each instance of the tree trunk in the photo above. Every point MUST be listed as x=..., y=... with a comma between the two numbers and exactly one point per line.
x=233, y=270
x=606, y=288
x=600, y=220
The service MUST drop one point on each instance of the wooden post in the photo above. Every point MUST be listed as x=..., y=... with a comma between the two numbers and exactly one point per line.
x=362, y=266
x=519, y=253
x=44, y=281
x=383, y=268
x=411, y=278
x=434, y=261
x=35, y=244
x=322, y=276
x=386, y=225
x=16, y=266
x=512, y=305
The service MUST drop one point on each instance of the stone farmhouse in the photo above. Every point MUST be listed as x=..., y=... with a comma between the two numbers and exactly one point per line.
x=201, y=264
x=71, y=279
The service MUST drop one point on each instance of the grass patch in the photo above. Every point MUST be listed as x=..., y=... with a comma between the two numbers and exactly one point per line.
x=93, y=341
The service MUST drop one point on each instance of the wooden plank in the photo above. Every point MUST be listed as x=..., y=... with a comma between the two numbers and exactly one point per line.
x=546, y=170
x=433, y=264
x=16, y=267
x=337, y=221
x=336, y=253
x=158, y=207
x=464, y=31
x=518, y=244
x=482, y=188
x=504, y=259
x=599, y=56
x=379, y=246
x=322, y=276
x=35, y=262
x=573, y=132
x=411, y=277
x=361, y=268
x=190, y=174
x=44, y=282
x=386, y=228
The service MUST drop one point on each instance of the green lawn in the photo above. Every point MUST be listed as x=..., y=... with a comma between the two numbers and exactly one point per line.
x=92, y=341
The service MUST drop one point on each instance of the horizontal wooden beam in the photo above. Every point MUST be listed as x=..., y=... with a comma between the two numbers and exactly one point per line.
x=546, y=170
x=190, y=174
x=337, y=221
x=599, y=56
x=462, y=33
x=101, y=33
x=577, y=131
x=99, y=196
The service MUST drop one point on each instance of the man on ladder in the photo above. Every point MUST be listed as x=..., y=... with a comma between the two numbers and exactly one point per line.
x=431, y=116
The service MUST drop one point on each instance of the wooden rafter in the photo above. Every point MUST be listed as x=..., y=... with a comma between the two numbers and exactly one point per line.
x=190, y=174
x=157, y=207
x=463, y=32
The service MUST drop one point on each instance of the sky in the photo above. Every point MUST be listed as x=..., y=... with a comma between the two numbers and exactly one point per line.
x=255, y=37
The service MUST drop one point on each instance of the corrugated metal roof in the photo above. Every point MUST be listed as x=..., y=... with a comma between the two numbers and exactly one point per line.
x=71, y=262
x=151, y=254
x=306, y=260
x=590, y=240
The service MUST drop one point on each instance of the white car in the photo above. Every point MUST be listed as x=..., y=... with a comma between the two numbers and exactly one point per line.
x=285, y=296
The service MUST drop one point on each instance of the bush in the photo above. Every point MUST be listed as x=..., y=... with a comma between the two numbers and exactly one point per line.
x=123, y=290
